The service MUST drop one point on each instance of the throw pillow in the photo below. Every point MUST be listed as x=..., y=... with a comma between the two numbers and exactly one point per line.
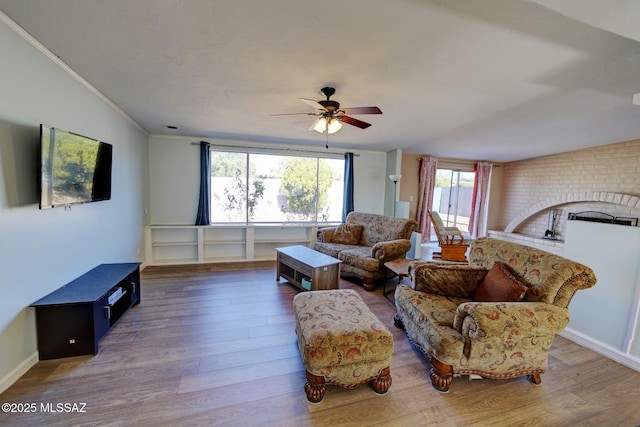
x=500, y=285
x=347, y=234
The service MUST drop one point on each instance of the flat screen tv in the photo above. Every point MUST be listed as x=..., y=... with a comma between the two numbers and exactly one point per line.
x=74, y=169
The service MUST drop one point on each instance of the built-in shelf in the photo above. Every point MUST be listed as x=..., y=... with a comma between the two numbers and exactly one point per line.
x=192, y=244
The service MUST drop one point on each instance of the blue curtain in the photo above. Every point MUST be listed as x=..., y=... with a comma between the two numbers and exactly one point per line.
x=347, y=204
x=204, y=203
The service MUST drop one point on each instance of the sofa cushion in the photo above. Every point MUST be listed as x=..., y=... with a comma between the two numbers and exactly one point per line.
x=428, y=319
x=454, y=280
x=331, y=249
x=347, y=234
x=500, y=285
x=360, y=257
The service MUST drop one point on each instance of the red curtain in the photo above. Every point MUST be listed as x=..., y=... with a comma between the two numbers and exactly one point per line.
x=427, y=181
x=477, y=220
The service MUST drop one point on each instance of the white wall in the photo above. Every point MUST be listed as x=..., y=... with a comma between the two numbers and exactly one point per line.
x=174, y=170
x=370, y=179
x=41, y=250
x=607, y=313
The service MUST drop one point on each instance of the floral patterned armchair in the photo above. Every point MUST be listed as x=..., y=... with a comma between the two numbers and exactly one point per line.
x=364, y=243
x=495, y=317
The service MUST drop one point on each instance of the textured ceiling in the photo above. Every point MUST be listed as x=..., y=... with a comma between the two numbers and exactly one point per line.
x=486, y=80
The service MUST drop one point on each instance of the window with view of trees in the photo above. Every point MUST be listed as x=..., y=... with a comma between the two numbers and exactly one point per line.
x=249, y=187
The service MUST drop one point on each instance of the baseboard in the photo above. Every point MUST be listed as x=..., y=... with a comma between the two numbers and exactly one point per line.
x=628, y=360
x=19, y=371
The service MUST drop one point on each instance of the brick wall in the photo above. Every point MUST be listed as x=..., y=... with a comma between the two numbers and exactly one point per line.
x=611, y=168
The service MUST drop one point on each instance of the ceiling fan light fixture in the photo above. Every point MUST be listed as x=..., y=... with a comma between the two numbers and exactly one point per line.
x=324, y=124
x=334, y=126
x=320, y=125
x=331, y=116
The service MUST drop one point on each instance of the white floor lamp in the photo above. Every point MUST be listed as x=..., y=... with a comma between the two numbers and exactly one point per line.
x=395, y=179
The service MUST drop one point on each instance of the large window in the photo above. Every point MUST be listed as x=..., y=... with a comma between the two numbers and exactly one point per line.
x=250, y=187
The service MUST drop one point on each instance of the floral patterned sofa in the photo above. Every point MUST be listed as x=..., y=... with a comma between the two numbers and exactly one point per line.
x=495, y=317
x=364, y=243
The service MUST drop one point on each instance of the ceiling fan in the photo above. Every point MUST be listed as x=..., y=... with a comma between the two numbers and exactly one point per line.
x=331, y=116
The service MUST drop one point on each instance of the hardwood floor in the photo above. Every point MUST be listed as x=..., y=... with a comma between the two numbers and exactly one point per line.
x=213, y=347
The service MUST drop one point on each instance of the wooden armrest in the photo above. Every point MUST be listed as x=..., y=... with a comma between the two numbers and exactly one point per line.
x=452, y=238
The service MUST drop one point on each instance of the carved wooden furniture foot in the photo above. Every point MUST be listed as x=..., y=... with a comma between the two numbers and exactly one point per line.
x=382, y=382
x=535, y=378
x=441, y=375
x=314, y=387
x=397, y=322
x=369, y=284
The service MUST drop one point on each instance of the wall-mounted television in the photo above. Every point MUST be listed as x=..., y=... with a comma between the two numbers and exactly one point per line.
x=74, y=169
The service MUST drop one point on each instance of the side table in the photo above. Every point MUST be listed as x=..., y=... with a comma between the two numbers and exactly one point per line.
x=398, y=266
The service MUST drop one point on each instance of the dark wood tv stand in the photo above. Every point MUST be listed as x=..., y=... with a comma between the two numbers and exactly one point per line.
x=73, y=319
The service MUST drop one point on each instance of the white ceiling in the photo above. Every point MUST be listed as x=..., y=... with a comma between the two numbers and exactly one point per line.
x=497, y=80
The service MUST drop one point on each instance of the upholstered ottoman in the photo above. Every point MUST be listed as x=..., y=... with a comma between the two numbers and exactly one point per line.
x=341, y=342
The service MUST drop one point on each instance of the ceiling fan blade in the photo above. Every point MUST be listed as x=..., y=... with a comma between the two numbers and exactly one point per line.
x=313, y=103
x=362, y=110
x=355, y=122
x=295, y=114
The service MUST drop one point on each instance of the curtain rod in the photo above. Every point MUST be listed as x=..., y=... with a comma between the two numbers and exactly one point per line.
x=459, y=162
x=277, y=149
x=448, y=160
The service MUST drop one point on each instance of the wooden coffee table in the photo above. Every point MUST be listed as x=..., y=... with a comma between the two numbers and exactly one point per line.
x=297, y=262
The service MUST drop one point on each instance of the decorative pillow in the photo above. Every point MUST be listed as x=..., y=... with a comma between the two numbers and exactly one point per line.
x=500, y=285
x=347, y=234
